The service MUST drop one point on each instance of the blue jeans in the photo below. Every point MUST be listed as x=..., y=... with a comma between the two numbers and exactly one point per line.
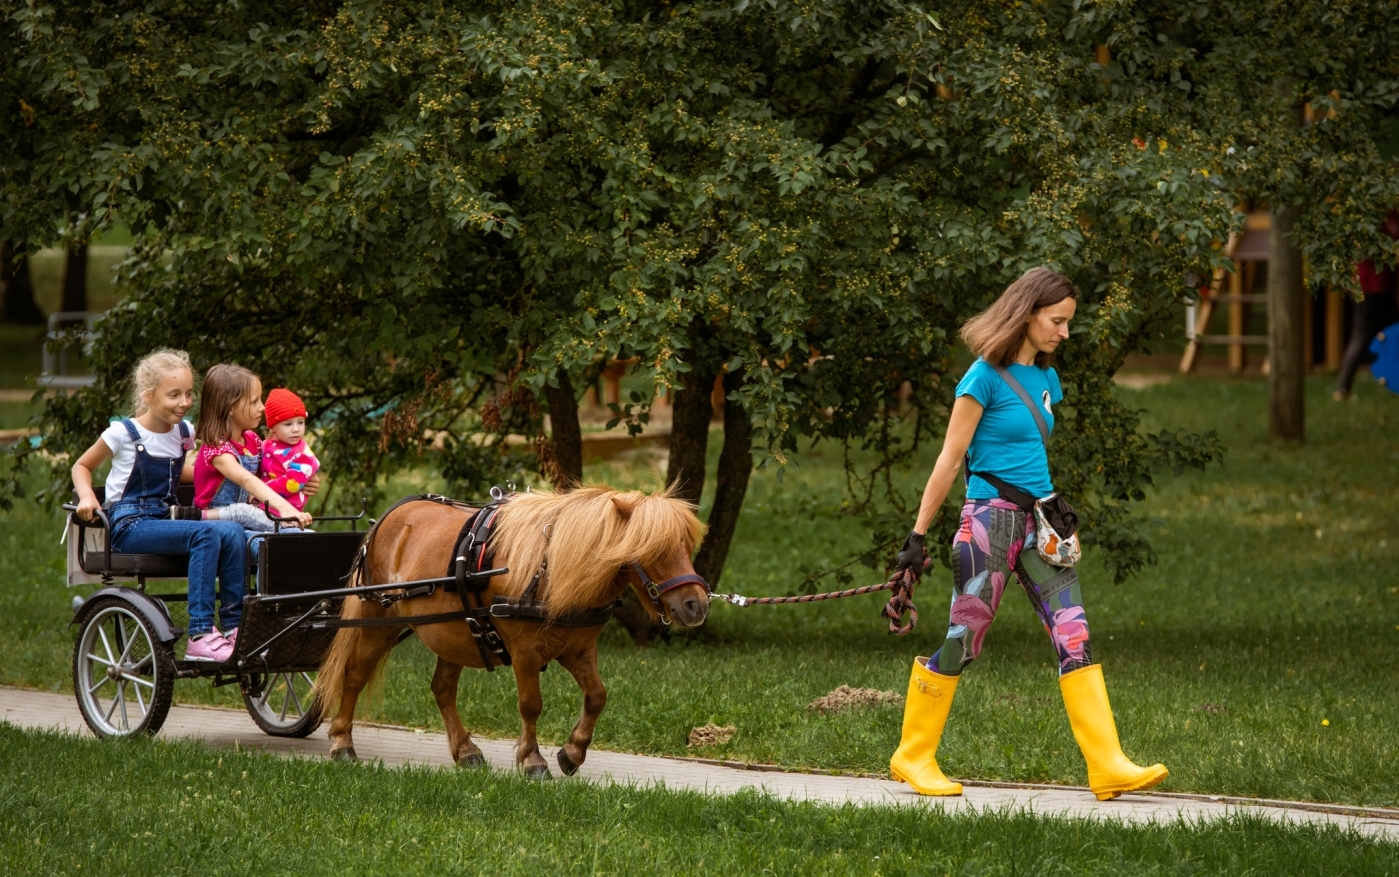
x=212, y=546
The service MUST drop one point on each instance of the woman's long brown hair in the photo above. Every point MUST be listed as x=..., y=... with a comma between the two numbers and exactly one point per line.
x=997, y=333
x=224, y=387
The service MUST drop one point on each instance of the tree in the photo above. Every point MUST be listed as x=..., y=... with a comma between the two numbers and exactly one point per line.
x=1303, y=93
x=16, y=287
x=438, y=222
x=75, y=278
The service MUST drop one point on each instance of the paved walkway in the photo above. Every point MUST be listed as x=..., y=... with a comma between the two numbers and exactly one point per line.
x=391, y=745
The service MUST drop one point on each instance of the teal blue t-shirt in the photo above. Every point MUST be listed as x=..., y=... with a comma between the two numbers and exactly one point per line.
x=1007, y=442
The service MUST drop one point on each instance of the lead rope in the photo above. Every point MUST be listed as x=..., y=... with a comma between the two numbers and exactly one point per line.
x=901, y=583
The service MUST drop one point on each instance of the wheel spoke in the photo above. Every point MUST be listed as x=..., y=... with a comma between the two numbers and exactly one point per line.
x=140, y=701
x=286, y=701
x=291, y=690
x=102, y=661
x=129, y=677
x=106, y=645
x=130, y=641
x=116, y=699
x=121, y=698
x=98, y=684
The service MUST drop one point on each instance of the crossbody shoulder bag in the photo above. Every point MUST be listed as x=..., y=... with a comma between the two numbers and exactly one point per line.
x=1056, y=523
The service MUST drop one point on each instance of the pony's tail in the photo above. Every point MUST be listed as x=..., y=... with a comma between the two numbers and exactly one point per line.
x=330, y=680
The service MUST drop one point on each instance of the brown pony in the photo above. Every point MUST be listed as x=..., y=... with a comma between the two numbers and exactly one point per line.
x=590, y=537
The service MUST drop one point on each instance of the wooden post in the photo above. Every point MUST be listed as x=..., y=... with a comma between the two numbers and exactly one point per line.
x=1236, y=319
x=1286, y=299
x=1335, y=329
x=612, y=379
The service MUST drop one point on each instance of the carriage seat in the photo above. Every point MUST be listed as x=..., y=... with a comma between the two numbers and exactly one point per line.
x=95, y=560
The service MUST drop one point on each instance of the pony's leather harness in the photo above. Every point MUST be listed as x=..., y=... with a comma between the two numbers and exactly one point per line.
x=472, y=557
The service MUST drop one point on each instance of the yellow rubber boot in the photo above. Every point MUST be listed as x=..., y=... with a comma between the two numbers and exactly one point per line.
x=1110, y=773
x=925, y=712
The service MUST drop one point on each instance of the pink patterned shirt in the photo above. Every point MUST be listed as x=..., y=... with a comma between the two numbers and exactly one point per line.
x=287, y=468
x=207, y=479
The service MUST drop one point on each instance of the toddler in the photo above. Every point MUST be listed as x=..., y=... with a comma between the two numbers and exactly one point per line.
x=287, y=463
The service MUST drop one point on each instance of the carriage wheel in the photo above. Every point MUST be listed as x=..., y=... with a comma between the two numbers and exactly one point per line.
x=287, y=705
x=123, y=675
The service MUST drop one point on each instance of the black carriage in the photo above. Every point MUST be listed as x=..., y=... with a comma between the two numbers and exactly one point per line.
x=124, y=660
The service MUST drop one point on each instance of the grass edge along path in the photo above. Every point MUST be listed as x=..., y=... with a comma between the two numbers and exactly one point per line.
x=69, y=805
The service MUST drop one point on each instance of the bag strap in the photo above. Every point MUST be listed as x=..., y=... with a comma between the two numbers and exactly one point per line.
x=1029, y=403
x=1022, y=500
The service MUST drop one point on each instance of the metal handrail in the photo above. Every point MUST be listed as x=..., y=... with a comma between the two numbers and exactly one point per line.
x=370, y=589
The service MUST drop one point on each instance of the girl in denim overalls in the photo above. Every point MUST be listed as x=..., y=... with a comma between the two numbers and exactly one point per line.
x=148, y=455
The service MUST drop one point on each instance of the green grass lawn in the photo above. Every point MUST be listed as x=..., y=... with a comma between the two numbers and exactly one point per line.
x=1258, y=657
x=77, y=806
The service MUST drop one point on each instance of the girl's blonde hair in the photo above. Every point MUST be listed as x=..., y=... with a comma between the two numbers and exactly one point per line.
x=224, y=387
x=151, y=370
x=997, y=333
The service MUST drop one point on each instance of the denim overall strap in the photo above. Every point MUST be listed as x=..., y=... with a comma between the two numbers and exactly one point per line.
x=150, y=489
x=230, y=493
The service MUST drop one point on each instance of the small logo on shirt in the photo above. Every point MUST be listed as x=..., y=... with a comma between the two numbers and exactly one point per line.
x=1046, y=402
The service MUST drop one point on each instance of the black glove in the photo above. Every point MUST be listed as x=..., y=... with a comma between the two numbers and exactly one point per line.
x=912, y=556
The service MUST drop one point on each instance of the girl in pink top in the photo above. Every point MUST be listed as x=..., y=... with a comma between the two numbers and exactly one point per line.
x=226, y=481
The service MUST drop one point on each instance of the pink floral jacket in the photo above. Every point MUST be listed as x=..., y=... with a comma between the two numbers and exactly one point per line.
x=287, y=468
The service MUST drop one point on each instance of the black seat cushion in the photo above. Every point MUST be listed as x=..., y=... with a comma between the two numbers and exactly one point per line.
x=162, y=566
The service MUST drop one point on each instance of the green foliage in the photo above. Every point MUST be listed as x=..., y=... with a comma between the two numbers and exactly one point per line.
x=415, y=213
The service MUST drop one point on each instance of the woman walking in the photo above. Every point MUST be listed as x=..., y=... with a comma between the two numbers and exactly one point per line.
x=1000, y=424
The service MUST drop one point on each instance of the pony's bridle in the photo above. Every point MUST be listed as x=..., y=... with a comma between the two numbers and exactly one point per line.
x=655, y=589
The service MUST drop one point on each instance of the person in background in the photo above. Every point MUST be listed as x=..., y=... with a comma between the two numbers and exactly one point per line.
x=1375, y=310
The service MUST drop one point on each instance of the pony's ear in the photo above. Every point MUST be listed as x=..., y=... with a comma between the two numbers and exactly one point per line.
x=625, y=503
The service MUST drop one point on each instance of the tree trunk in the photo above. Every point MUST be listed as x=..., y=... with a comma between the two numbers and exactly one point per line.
x=689, y=441
x=1287, y=298
x=16, y=290
x=568, y=436
x=689, y=434
x=75, y=279
x=731, y=483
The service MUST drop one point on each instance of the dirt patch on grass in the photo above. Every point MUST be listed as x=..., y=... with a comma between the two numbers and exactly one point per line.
x=847, y=698
x=711, y=735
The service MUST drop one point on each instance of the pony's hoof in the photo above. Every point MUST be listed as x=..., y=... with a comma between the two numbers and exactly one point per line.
x=538, y=772
x=566, y=764
x=346, y=754
x=471, y=761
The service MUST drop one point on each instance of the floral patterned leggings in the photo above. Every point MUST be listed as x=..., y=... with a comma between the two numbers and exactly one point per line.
x=987, y=549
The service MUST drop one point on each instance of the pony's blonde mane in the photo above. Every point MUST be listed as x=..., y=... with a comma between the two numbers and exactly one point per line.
x=588, y=534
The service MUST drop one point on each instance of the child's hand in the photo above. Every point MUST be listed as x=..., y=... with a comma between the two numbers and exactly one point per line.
x=312, y=486
x=87, y=507
x=287, y=510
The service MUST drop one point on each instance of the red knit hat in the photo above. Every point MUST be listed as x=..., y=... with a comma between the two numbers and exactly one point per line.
x=283, y=404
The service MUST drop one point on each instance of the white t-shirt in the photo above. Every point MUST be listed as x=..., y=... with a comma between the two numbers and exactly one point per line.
x=158, y=444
